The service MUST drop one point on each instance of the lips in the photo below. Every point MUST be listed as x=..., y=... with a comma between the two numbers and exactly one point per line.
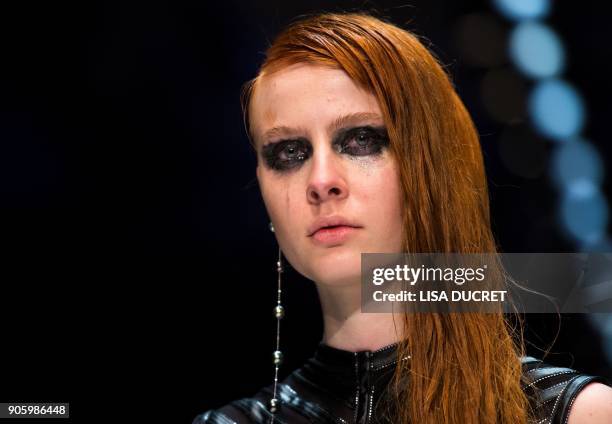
x=334, y=222
x=333, y=236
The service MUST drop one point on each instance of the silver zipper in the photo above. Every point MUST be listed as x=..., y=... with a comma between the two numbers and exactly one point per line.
x=357, y=389
x=368, y=398
x=371, y=405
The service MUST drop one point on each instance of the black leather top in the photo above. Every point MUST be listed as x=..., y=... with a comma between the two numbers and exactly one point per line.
x=342, y=387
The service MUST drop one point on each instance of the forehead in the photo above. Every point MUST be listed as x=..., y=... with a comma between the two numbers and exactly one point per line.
x=307, y=97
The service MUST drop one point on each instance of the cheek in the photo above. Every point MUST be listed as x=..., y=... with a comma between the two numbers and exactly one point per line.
x=286, y=205
x=274, y=194
x=282, y=203
x=383, y=197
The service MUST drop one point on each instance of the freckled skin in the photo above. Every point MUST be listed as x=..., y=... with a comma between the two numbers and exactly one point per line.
x=364, y=189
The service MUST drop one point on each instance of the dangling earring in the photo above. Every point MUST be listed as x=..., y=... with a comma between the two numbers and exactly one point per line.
x=279, y=313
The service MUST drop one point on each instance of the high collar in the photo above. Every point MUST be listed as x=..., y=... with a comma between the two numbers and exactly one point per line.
x=350, y=383
x=343, y=372
x=344, y=362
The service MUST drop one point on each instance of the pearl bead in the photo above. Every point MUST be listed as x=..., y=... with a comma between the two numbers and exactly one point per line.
x=278, y=357
x=271, y=227
x=279, y=311
x=274, y=405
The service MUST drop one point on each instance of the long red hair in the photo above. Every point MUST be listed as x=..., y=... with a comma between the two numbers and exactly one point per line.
x=464, y=368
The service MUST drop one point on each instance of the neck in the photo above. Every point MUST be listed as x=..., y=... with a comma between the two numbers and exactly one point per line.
x=346, y=327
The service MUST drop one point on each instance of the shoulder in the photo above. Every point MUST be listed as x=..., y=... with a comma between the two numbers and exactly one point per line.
x=592, y=405
x=247, y=410
x=212, y=417
x=555, y=391
x=241, y=411
x=255, y=409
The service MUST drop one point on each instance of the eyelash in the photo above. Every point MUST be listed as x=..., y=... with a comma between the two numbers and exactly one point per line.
x=272, y=152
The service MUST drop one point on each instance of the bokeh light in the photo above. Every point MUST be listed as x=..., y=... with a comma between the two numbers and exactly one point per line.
x=577, y=167
x=556, y=109
x=523, y=9
x=584, y=217
x=481, y=39
x=504, y=95
x=536, y=50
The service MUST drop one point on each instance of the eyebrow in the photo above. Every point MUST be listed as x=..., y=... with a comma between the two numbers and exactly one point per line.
x=352, y=119
x=282, y=131
x=338, y=123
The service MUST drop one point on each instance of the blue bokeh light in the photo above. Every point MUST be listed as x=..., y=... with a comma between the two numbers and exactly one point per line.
x=523, y=9
x=585, y=217
x=577, y=166
x=556, y=108
x=536, y=50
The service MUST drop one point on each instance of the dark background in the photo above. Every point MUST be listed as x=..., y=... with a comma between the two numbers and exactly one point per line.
x=138, y=271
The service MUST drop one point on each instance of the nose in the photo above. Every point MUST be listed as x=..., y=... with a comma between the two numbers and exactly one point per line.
x=326, y=179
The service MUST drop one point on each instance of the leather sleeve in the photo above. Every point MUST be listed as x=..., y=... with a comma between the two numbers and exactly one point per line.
x=552, y=390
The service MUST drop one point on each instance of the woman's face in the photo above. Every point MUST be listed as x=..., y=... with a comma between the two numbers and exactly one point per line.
x=323, y=159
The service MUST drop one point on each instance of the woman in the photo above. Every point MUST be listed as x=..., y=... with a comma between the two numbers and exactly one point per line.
x=364, y=146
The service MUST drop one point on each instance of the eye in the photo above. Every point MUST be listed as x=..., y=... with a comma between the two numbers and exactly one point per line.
x=363, y=141
x=286, y=154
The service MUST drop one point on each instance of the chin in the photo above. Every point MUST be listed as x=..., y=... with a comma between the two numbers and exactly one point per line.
x=337, y=267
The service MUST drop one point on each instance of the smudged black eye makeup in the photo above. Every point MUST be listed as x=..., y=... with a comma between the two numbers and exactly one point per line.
x=285, y=155
x=362, y=141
